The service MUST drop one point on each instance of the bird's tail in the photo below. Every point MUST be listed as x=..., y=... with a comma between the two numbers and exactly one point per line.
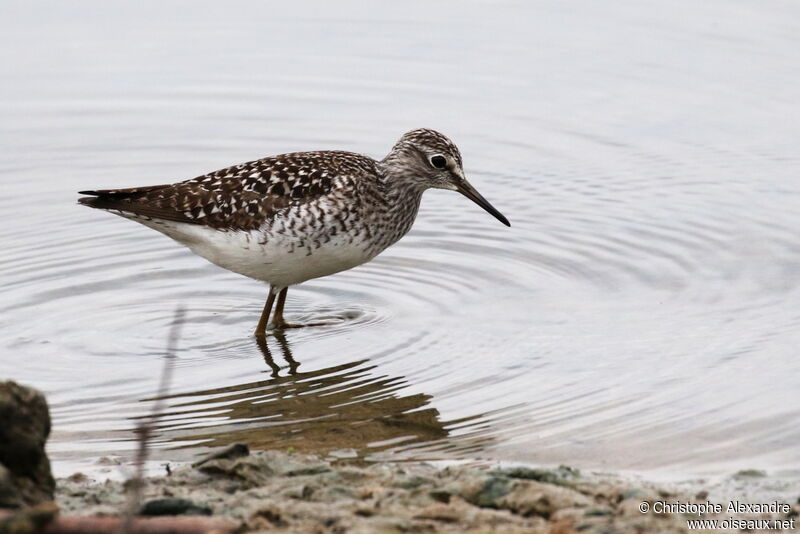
x=106, y=199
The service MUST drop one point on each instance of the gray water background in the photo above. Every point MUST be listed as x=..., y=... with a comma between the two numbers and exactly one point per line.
x=642, y=312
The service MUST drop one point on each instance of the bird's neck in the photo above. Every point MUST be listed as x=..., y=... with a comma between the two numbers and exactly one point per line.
x=399, y=200
x=401, y=190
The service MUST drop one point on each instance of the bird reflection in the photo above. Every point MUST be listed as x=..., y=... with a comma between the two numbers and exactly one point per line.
x=344, y=406
x=263, y=346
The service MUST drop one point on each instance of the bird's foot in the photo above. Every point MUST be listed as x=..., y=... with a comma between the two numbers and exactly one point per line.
x=283, y=325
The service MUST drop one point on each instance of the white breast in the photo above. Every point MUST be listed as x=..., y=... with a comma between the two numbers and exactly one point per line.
x=275, y=255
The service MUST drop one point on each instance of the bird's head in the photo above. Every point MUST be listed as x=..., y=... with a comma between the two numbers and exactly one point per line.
x=428, y=159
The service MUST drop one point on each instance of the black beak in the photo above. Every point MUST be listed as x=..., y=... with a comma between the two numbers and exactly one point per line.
x=471, y=193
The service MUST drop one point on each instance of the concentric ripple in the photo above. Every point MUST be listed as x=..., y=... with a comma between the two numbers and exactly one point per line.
x=642, y=312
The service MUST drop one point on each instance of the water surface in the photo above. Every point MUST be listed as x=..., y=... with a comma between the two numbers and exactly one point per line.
x=642, y=312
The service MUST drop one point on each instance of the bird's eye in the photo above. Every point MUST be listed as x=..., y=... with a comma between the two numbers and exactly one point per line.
x=439, y=161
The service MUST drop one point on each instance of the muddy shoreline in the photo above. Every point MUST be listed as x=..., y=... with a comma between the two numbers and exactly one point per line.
x=301, y=493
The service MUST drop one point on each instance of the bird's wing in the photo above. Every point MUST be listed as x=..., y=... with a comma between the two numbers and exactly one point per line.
x=241, y=197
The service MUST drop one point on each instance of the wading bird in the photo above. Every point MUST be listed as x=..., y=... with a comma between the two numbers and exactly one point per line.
x=290, y=218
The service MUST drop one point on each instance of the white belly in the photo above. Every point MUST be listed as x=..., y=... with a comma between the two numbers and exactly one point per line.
x=278, y=259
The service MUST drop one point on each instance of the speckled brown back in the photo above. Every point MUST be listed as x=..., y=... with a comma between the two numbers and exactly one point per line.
x=244, y=196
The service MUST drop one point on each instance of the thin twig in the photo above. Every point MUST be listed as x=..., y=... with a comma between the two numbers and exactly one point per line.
x=146, y=428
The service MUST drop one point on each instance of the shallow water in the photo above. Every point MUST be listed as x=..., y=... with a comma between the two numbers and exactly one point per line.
x=642, y=312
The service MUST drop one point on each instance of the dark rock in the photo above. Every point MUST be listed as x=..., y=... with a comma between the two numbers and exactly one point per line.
x=173, y=506
x=24, y=428
x=237, y=450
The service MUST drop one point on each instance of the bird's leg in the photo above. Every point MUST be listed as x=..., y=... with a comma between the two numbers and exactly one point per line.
x=261, y=329
x=277, y=318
